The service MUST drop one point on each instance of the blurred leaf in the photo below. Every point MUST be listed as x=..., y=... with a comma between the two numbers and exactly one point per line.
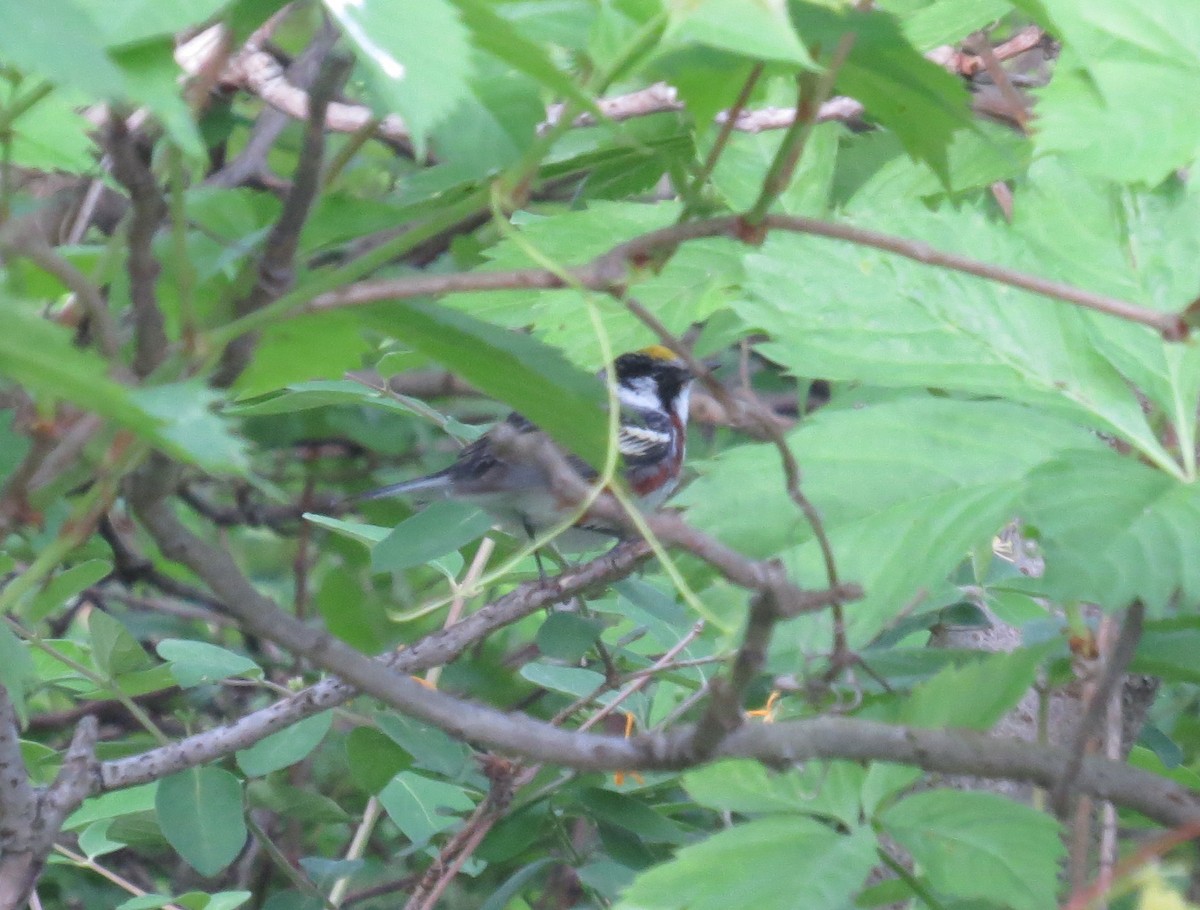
x=152, y=78
x=574, y=681
x=567, y=636
x=631, y=814
x=64, y=586
x=322, y=345
x=114, y=804
x=374, y=758
x=1168, y=649
x=288, y=746
x=976, y=695
x=948, y=21
x=114, y=650
x=200, y=814
x=128, y=21
x=978, y=845
x=440, y=528
x=196, y=662
x=352, y=614
x=744, y=786
x=17, y=670
x=430, y=748
x=354, y=530
x=912, y=96
x=776, y=859
x=301, y=804
x=503, y=896
x=518, y=370
x=422, y=807
x=417, y=63
x=753, y=28
x=1125, y=68
x=190, y=426
x=57, y=40
x=1113, y=530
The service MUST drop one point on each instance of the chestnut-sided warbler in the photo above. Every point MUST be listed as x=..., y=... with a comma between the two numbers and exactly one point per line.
x=652, y=388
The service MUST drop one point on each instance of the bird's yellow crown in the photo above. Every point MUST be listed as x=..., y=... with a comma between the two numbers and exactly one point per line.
x=659, y=352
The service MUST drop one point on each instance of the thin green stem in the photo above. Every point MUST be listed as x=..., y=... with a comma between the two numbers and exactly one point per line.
x=181, y=262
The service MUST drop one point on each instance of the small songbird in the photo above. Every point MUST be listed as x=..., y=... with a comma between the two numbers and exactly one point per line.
x=652, y=385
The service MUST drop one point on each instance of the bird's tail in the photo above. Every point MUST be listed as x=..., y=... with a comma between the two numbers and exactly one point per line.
x=431, y=485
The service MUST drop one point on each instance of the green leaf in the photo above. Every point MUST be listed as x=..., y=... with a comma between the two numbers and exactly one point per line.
x=567, y=636
x=130, y=801
x=948, y=21
x=895, y=323
x=430, y=748
x=374, y=758
x=438, y=529
x=753, y=28
x=1124, y=68
x=516, y=369
x=95, y=842
x=152, y=79
x=980, y=845
x=322, y=345
x=631, y=814
x=422, y=807
x=976, y=695
x=741, y=785
x=191, y=428
x=194, y=663
x=574, y=681
x=912, y=96
x=17, y=670
x=288, y=746
x=64, y=586
x=114, y=650
x=417, y=63
x=1168, y=649
x=57, y=40
x=303, y=805
x=122, y=22
x=776, y=859
x=1113, y=530
x=354, y=530
x=200, y=814
x=503, y=896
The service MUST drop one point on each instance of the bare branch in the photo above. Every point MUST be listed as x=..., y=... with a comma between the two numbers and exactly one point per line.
x=1097, y=707
x=610, y=271
x=147, y=210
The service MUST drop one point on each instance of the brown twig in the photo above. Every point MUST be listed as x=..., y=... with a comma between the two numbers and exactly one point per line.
x=276, y=267
x=611, y=271
x=1093, y=716
x=147, y=210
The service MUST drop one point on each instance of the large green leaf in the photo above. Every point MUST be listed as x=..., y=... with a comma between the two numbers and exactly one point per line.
x=892, y=322
x=416, y=57
x=520, y=371
x=980, y=845
x=1126, y=70
x=200, y=814
x=57, y=40
x=421, y=806
x=286, y=747
x=774, y=859
x=1113, y=530
x=751, y=28
x=440, y=528
x=741, y=785
x=973, y=696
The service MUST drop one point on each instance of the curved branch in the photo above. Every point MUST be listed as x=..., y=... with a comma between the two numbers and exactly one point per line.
x=610, y=271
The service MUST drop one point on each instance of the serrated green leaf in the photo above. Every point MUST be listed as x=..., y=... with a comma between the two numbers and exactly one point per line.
x=200, y=814
x=1113, y=530
x=776, y=859
x=417, y=63
x=122, y=22
x=948, y=21
x=438, y=529
x=288, y=746
x=196, y=662
x=830, y=790
x=1124, y=68
x=754, y=29
x=895, y=323
x=980, y=845
x=421, y=807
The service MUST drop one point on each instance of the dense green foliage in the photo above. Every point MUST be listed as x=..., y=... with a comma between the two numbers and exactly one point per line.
x=957, y=404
